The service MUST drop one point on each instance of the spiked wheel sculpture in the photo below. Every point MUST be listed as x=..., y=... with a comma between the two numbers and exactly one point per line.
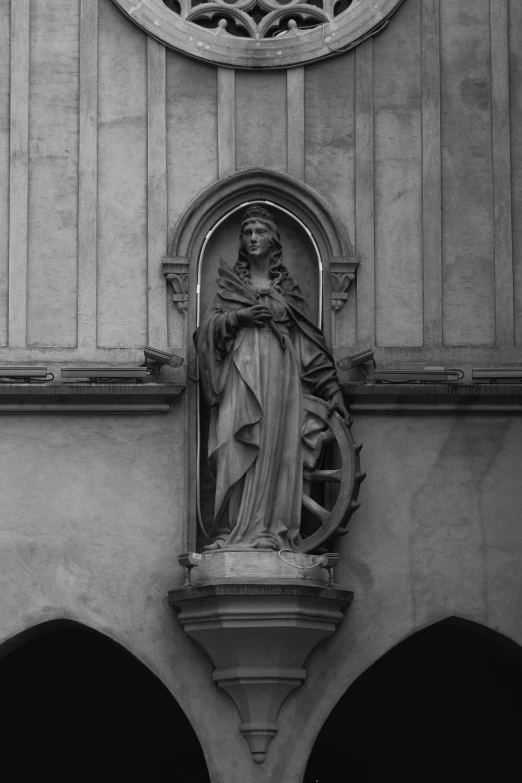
x=348, y=476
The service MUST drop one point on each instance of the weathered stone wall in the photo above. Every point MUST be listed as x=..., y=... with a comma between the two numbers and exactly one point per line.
x=438, y=535
x=92, y=523
x=408, y=137
x=413, y=139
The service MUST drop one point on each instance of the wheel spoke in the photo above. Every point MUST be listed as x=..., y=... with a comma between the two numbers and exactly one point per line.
x=326, y=523
x=315, y=509
x=328, y=437
x=323, y=475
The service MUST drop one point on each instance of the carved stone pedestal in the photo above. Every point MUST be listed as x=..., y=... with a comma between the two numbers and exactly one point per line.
x=258, y=634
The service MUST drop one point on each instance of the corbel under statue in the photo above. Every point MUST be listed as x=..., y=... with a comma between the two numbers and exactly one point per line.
x=259, y=596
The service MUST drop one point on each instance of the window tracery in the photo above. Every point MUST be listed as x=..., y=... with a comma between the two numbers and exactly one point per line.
x=260, y=33
x=259, y=18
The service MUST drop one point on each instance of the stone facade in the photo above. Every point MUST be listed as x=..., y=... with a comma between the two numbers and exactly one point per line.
x=413, y=141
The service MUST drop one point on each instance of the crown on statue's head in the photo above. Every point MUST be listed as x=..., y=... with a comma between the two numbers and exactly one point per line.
x=256, y=212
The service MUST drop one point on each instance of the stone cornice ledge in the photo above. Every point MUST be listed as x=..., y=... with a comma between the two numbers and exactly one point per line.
x=434, y=398
x=260, y=587
x=88, y=398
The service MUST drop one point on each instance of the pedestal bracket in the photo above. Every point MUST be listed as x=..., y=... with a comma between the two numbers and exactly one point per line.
x=258, y=635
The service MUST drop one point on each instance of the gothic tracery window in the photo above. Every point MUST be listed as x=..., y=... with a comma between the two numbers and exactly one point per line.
x=260, y=33
x=259, y=18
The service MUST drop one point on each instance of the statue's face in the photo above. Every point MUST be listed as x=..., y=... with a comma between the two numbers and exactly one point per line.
x=256, y=239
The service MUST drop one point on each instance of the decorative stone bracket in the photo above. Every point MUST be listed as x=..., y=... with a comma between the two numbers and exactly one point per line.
x=259, y=631
x=176, y=272
x=343, y=271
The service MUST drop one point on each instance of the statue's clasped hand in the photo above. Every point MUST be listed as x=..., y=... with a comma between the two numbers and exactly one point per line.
x=336, y=403
x=257, y=315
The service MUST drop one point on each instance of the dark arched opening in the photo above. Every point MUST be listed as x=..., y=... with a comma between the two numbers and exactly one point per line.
x=74, y=700
x=445, y=705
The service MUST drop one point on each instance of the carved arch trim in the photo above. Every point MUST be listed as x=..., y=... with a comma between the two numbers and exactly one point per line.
x=222, y=197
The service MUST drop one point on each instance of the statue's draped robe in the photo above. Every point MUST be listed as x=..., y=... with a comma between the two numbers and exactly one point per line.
x=254, y=379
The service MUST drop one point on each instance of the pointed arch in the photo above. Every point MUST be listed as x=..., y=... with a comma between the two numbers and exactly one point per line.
x=227, y=194
x=78, y=696
x=259, y=184
x=445, y=703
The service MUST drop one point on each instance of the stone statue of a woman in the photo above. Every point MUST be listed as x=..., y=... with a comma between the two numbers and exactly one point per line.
x=258, y=353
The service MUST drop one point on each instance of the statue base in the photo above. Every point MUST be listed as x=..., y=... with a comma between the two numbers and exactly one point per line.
x=258, y=625
x=223, y=565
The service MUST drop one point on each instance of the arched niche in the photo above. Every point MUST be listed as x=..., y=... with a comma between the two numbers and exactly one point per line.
x=292, y=197
x=213, y=217
x=72, y=696
x=444, y=704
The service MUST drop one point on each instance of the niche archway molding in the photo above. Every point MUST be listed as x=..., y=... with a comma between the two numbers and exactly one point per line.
x=180, y=266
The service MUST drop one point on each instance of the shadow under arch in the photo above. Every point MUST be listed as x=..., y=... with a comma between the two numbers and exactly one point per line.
x=444, y=704
x=73, y=698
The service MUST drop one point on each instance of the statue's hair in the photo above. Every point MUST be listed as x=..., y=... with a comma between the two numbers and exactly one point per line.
x=277, y=270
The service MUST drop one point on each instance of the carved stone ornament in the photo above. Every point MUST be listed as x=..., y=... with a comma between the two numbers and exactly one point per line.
x=343, y=274
x=176, y=271
x=260, y=33
x=259, y=632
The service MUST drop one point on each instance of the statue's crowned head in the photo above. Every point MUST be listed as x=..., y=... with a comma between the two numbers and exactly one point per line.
x=257, y=214
x=260, y=215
